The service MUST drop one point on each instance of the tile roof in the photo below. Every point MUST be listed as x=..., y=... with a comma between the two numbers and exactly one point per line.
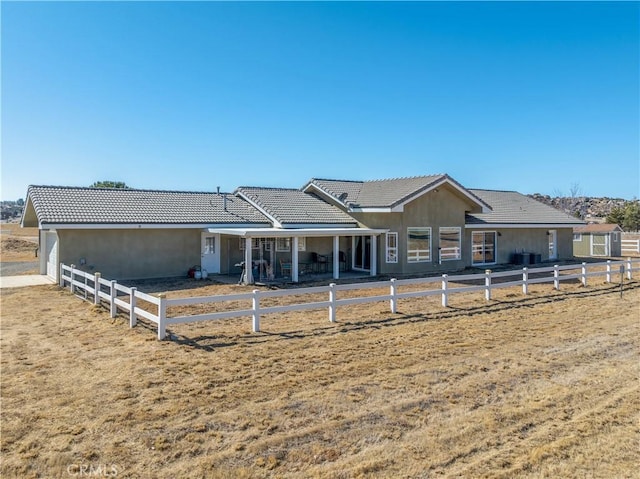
x=375, y=193
x=75, y=205
x=293, y=206
x=511, y=207
x=387, y=193
x=597, y=228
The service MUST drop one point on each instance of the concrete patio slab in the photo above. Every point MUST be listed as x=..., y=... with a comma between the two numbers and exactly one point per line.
x=24, y=280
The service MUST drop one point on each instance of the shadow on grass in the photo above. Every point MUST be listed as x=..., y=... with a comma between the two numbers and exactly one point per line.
x=213, y=342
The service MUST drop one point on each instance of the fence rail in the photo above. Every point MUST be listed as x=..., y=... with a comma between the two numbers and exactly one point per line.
x=630, y=246
x=121, y=298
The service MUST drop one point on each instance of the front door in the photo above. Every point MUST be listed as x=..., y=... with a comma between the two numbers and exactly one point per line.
x=210, y=253
x=553, y=244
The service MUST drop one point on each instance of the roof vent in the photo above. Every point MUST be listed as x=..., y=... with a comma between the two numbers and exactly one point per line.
x=343, y=196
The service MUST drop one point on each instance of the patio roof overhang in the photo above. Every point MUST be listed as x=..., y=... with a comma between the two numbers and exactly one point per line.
x=299, y=232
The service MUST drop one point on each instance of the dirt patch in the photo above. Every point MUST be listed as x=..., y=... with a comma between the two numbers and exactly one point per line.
x=18, y=256
x=11, y=244
x=18, y=244
x=537, y=386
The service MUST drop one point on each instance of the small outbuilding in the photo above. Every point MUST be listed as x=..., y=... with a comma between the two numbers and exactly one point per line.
x=595, y=239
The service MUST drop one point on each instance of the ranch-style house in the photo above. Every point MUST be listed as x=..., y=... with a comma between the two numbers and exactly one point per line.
x=402, y=226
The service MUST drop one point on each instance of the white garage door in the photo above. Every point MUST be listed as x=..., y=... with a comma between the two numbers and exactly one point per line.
x=51, y=245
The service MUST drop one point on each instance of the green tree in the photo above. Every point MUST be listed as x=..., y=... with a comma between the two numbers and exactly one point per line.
x=631, y=220
x=20, y=202
x=109, y=184
x=616, y=215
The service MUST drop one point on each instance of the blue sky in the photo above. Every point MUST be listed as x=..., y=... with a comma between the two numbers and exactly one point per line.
x=534, y=97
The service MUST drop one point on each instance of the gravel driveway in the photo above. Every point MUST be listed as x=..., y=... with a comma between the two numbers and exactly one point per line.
x=12, y=268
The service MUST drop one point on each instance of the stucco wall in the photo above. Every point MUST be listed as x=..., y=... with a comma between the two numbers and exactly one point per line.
x=531, y=240
x=434, y=209
x=131, y=253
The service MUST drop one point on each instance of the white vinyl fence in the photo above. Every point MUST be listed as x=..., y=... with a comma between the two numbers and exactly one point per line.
x=630, y=246
x=94, y=288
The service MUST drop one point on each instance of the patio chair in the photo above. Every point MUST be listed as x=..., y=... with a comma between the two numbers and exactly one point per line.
x=342, y=258
x=320, y=262
x=285, y=268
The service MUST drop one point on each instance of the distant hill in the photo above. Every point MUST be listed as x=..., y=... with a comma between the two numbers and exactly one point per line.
x=583, y=207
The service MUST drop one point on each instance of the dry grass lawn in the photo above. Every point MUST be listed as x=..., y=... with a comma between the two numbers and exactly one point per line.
x=543, y=386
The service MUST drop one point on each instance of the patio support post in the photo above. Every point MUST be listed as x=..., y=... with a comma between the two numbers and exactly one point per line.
x=294, y=259
x=248, y=262
x=374, y=255
x=336, y=257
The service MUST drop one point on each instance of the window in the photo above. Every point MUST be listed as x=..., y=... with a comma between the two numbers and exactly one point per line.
x=302, y=243
x=255, y=243
x=450, y=242
x=616, y=236
x=210, y=245
x=418, y=245
x=483, y=247
x=577, y=236
x=392, y=247
x=283, y=244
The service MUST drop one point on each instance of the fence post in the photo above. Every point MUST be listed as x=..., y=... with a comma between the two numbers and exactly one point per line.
x=394, y=301
x=445, y=284
x=332, y=301
x=72, y=287
x=86, y=282
x=162, y=316
x=61, y=278
x=133, y=320
x=556, y=276
x=96, y=287
x=608, y=271
x=255, y=305
x=487, y=284
x=629, y=268
x=584, y=274
x=525, y=281
x=113, y=309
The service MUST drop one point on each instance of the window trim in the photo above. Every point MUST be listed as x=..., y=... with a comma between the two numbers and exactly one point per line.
x=495, y=246
x=391, y=252
x=255, y=243
x=283, y=248
x=458, y=256
x=577, y=236
x=413, y=255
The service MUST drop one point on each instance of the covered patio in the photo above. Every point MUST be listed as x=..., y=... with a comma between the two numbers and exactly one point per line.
x=295, y=263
